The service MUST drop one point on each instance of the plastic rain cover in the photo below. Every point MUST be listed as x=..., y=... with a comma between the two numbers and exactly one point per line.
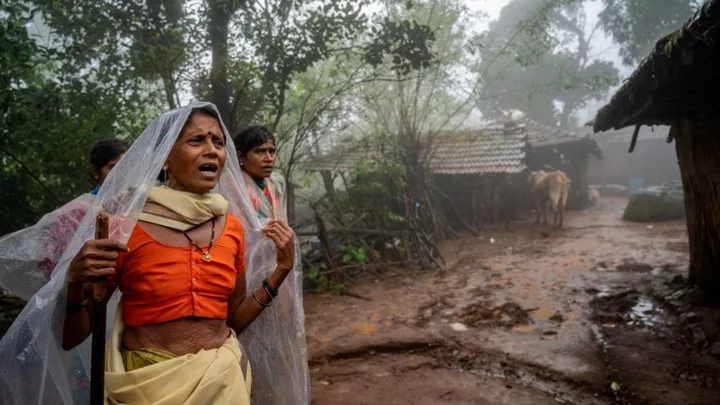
x=35, y=368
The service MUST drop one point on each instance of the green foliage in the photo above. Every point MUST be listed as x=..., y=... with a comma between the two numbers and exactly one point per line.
x=103, y=68
x=324, y=283
x=376, y=189
x=540, y=52
x=406, y=42
x=121, y=43
x=636, y=25
x=48, y=121
x=536, y=54
x=354, y=254
x=285, y=39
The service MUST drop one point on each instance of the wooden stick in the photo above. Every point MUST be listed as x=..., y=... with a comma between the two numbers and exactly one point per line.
x=97, y=360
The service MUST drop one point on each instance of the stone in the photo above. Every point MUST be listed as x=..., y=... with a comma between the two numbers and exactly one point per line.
x=459, y=327
x=659, y=203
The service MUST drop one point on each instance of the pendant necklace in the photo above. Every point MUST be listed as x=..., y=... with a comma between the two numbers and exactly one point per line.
x=205, y=253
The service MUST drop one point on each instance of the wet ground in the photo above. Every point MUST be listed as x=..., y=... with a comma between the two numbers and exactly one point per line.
x=595, y=313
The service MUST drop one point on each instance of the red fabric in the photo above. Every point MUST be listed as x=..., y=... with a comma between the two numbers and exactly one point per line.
x=163, y=283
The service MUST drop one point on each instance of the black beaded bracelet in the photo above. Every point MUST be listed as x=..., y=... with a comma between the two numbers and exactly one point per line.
x=269, y=289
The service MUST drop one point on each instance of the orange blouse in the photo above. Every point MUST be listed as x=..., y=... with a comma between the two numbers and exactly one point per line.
x=162, y=283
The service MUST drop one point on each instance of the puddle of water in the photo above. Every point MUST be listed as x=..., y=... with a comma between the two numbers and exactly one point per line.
x=604, y=291
x=643, y=313
x=646, y=312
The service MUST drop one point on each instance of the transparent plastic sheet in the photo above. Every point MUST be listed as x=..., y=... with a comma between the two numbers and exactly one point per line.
x=28, y=256
x=254, y=340
x=279, y=185
x=35, y=368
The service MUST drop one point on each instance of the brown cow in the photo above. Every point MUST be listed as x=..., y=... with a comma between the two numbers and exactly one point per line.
x=550, y=188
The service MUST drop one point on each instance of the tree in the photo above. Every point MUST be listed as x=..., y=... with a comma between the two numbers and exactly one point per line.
x=106, y=65
x=288, y=38
x=255, y=48
x=635, y=25
x=48, y=119
x=547, y=71
x=404, y=112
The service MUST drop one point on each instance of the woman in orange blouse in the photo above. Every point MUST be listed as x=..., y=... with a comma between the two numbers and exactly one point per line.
x=182, y=275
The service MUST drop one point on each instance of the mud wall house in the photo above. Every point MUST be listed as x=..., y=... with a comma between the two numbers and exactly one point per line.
x=678, y=84
x=474, y=172
x=479, y=170
x=569, y=151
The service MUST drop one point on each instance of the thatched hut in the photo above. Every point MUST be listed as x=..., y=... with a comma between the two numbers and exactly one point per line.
x=678, y=84
x=472, y=170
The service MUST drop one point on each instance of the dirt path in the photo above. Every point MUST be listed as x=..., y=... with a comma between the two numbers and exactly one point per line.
x=532, y=316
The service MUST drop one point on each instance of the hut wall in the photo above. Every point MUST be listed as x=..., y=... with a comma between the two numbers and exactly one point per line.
x=478, y=199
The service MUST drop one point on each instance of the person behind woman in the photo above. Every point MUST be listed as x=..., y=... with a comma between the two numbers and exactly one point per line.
x=39, y=247
x=182, y=278
x=257, y=155
x=104, y=155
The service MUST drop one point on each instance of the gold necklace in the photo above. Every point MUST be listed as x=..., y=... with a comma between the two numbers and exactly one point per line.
x=205, y=253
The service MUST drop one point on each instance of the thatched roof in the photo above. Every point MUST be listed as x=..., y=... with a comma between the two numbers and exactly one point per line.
x=624, y=135
x=680, y=77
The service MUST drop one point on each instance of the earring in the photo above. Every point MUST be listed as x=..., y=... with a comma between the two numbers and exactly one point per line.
x=166, y=177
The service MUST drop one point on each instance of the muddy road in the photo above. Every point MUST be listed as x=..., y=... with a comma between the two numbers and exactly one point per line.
x=593, y=314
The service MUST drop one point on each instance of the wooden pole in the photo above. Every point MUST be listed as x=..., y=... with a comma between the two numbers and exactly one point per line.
x=97, y=360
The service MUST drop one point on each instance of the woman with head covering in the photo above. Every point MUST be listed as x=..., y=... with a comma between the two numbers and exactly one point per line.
x=256, y=151
x=182, y=254
x=39, y=247
x=104, y=155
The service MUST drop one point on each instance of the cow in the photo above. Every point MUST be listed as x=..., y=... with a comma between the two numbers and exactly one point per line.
x=550, y=188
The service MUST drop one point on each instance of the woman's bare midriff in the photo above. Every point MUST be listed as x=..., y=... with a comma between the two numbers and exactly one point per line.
x=181, y=336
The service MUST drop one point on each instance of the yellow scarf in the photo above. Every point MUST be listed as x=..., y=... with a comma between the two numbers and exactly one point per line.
x=181, y=210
